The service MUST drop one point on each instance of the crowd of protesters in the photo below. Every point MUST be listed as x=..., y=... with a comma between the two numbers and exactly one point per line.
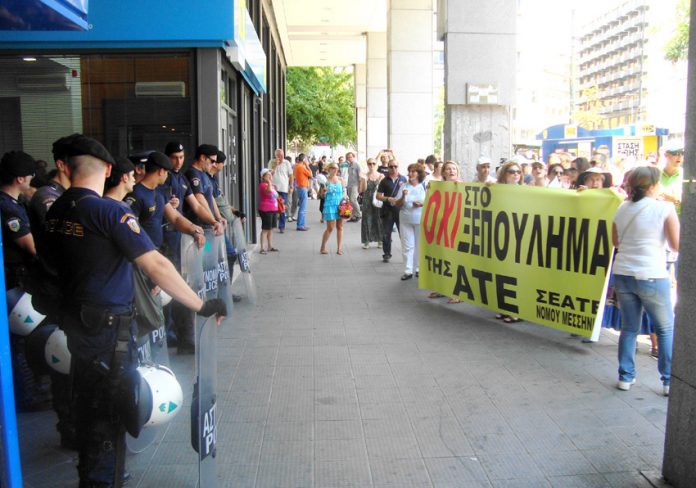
x=388, y=202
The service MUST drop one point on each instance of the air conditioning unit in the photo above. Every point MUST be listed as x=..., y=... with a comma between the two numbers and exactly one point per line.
x=160, y=89
x=44, y=82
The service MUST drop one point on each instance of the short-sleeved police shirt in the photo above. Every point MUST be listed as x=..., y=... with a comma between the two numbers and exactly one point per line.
x=200, y=183
x=15, y=224
x=91, y=241
x=148, y=206
x=39, y=205
x=180, y=186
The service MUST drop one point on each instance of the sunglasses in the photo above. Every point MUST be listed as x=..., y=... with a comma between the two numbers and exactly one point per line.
x=514, y=172
x=372, y=164
x=393, y=166
x=558, y=173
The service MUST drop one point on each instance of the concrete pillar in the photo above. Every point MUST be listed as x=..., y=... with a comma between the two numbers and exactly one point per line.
x=480, y=55
x=377, y=138
x=679, y=464
x=360, y=76
x=410, y=66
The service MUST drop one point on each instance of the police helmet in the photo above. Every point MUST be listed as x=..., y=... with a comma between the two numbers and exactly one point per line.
x=56, y=352
x=23, y=319
x=149, y=395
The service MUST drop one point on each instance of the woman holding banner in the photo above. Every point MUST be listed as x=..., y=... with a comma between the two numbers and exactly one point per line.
x=510, y=173
x=410, y=200
x=450, y=172
x=642, y=227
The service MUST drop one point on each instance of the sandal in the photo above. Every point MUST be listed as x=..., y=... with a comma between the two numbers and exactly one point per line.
x=435, y=295
x=262, y=252
x=339, y=252
x=273, y=249
x=324, y=251
x=500, y=316
x=454, y=300
x=512, y=320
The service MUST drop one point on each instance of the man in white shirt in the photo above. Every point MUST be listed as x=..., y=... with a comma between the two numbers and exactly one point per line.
x=483, y=170
x=282, y=179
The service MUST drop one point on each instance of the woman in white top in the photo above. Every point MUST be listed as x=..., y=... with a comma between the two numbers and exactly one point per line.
x=643, y=227
x=410, y=199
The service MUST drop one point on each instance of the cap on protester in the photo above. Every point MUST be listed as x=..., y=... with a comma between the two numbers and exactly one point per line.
x=173, y=147
x=483, y=160
x=221, y=157
x=60, y=146
x=17, y=163
x=674, y=147
x=206, y=150
x=608, y=179
x=538, y=163
x=81, y=145
x=124, y=165
x=156, y=158
x=264, y=171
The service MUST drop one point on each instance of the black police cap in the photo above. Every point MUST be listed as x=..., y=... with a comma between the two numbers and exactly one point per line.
x=17, y=163
x=139, y=158
x=81, y=145
x=124, y=165
x=173, y=147
x=60, y=147
x=159, y=159
x=221, y=157
x=206, y=150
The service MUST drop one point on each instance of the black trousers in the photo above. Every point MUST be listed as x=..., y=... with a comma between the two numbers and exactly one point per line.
x=99, y=358
x=389, y=216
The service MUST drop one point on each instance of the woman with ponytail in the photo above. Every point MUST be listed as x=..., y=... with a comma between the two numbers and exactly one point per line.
x=643, y=227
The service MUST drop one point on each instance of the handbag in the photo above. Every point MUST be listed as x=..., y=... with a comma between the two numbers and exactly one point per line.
x=345, y=209
x=281, y=205
x=376, y=203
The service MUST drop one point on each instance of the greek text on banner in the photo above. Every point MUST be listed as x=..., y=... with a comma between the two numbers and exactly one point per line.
x=540, y=254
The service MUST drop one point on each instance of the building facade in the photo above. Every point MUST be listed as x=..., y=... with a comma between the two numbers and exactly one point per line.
x=136, y=84
x=623, y=76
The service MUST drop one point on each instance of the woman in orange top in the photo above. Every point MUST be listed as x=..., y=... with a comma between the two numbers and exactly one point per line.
x=302, y=175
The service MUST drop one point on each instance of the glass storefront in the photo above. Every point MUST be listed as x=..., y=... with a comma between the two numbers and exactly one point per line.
x=130, y=102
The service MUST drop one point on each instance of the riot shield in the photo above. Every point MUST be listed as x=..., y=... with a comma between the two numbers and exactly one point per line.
x=204, y=404
x=206, y=271
x=247, y=285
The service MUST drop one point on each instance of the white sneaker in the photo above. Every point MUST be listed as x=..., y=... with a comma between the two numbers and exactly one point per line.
x=365, y=246
x=625, y=385
x=665, y=390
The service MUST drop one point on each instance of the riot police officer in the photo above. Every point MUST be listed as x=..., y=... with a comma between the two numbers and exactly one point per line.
x=93, y=243
x=16, y=171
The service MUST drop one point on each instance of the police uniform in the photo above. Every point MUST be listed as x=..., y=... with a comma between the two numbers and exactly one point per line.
x=201, y=183
x=91, y=242
x=148, y=206
x=178, y=186
x=15, y=224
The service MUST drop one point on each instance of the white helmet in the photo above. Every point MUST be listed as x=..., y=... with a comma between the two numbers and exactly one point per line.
x=57, y=353
x=167, y=396
x=165, y=297
x=149, y=395
x=23, y=318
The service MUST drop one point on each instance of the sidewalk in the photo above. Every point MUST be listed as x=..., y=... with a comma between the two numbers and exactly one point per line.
x=345, y=376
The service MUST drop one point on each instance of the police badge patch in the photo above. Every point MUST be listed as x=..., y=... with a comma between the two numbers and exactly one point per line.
x=195, y=181
x=133, y=224
x=13, y=224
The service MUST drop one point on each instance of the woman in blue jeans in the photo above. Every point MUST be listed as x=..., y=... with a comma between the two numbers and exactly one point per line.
x=643, y=227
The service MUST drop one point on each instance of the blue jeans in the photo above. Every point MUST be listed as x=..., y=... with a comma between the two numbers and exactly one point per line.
x=301, y=206
x=654, y=296
x=281, y=222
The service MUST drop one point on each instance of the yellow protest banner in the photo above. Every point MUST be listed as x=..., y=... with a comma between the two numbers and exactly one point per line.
x=540, y=254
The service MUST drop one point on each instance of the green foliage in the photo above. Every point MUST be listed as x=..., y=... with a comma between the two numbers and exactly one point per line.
x=320, y=104
x=677, y=48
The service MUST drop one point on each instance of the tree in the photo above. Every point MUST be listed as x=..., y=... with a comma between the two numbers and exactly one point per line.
x=320, y=106
x=677, y=48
